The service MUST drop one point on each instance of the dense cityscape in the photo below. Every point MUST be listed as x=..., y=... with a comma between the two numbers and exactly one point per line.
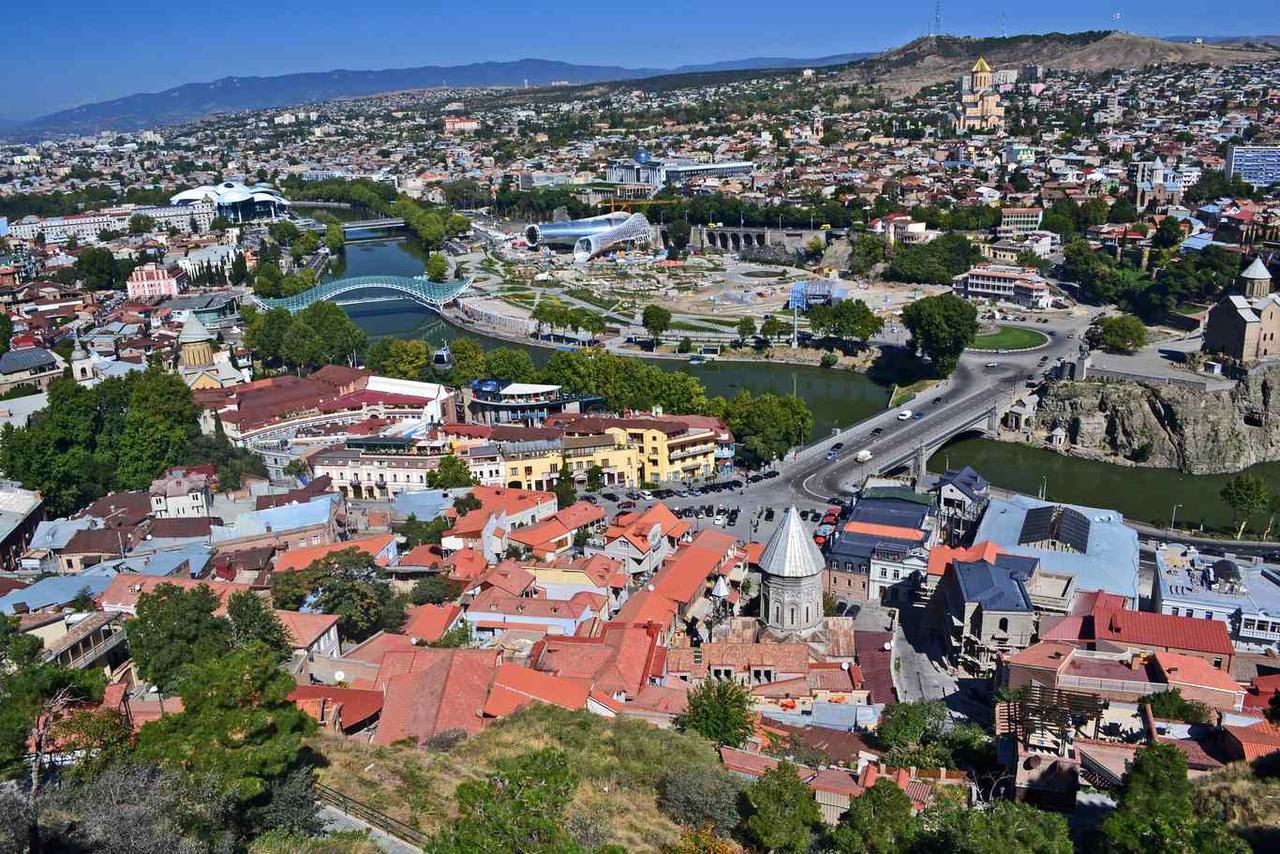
x=879, y=455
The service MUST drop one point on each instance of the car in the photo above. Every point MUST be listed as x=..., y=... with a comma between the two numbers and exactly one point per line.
x=646, y=495
x=819, y=540
x=626, y=505
x=879, y=431
x=917, y=416
x=904, y=415
x=719, y=520
x=936, y=401
x=609, y=496
x=993, y=364
x=1071, y=335
x=633, y=496
x=837, y=446
x=768, y=514
x=863, y=456
x=589, y=498
x=833, y=455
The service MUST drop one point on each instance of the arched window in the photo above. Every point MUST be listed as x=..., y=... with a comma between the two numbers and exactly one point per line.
x=1004, y=624
x=807, y=612
x=777, y=614
x=793, y=615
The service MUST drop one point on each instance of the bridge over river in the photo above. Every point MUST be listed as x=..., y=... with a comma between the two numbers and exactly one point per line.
x=359, y=290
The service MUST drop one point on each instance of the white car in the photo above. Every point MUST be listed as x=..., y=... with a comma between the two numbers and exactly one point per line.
x=863, y=456
x=904, y=415
x=646, y=495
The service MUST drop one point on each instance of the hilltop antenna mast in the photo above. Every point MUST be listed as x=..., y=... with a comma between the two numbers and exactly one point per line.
x=1004, y=32
x=937, y=17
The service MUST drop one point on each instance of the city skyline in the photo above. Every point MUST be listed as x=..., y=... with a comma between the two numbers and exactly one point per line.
x=108, y=61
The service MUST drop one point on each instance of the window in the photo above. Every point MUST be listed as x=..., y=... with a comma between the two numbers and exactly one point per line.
x=1217, y=664
x=1004, y=624
x=807, y=613
x=793, y=615
x=1173, y=612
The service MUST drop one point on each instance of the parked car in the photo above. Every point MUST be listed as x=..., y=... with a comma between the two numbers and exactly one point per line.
x=863, y=456
x=626, y=505
x=879, y=431
x=904, y=415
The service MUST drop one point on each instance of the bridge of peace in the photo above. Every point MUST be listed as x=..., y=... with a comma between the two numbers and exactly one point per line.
x=358, y=290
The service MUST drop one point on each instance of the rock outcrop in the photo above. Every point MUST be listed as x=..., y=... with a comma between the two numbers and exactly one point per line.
x=1167, y=426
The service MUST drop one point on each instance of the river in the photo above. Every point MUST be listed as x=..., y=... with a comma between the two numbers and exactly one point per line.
x=840, y=398
x=837, y=398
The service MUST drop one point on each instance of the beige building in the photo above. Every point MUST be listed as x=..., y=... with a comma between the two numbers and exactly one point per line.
x=1246, y=327
x=980, y=107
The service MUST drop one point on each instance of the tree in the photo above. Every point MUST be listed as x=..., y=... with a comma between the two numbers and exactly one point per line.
x=1155, y=812
x=1171, y=705
x=879, y=821
x=908, y=725
x=434, y=590
x=468, y=361
x=266, y=332
x=174, y=631
x=141, y=224
x=98, y=268
x=393, y=357
x=719, y=710
x=941, y=327
x=772, y=327
x=237, y=723
x=253, y=622
x=783, y=812
x=866, y=252
x=1004, y=828
x=519, y=808
x=1119, y=334
x=450, y=473
x=1168, y=234
x=846, y=320
x=341, y=340
x=347, y=584
x=700, y=796
x=566, y=495
x=766, y=426
x=656, y=320
x=6, y=332
x=746, y=328
x=437, y=268
x=511, y=364
x=595, y=478
x=1246, y=495
x=678, y=237
x=301, y=347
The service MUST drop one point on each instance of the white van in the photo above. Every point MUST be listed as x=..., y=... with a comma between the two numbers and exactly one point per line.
x=863, y=456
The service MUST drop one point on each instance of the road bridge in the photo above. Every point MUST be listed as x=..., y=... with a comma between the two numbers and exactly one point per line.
x=357, y=290
x=373, y=224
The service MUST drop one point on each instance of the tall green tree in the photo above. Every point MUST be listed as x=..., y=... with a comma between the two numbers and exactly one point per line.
x=941, y=327
x=746, y=328
x=301, y=347
x=253, y=622
x=566, y=494
x=468, y=361
x=347, y=584
x=783, y=814
x=237, y=723
x=450, y=473
x=437, y=267
x=719, y=710
x=342, y=341
x=1246, y=495
x=173, y=631
x=1155, y=812
x=6, y=332
x=656, y=320
x=879, y=821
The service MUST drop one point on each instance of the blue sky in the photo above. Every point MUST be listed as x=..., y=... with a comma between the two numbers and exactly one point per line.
x=78, y=51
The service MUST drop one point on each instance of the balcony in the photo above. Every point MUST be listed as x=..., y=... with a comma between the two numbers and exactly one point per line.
x=697, y=450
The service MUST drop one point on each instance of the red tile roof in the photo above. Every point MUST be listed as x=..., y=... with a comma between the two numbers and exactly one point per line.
x=427, y=623
x=1162, y=630
x=942, y=556
x=306, y=629
x=124, y=591
x=357, y=706
x=300, y=558
x=435, y=690
x=515, y=687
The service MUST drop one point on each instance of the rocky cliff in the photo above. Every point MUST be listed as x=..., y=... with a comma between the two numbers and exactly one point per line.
x=1167, y=426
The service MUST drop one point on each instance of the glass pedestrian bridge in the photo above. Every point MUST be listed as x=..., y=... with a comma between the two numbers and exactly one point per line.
x=358, y=290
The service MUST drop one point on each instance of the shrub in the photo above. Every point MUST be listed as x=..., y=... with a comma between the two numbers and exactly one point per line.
x=698, y=796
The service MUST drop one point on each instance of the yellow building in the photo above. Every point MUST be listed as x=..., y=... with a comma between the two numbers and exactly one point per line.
x=536, y=464
x=670, y=450
x=980, y=107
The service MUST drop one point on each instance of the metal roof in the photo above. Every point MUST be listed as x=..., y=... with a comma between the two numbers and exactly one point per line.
x=790, y=552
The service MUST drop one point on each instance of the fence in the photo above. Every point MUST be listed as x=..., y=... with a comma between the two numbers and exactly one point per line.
x=371, y=816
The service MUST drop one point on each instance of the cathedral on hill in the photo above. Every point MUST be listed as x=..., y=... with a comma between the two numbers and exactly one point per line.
x=980, y=108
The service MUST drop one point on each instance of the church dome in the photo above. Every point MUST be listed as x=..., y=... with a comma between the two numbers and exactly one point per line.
x=790, y=552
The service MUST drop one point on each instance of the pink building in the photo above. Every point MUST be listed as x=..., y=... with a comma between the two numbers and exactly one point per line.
x=155, y=280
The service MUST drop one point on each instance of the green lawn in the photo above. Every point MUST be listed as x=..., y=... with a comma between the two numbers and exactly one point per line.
x=1009, y=338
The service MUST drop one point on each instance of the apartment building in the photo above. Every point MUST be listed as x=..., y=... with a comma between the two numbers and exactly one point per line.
x=670, y=448
x=1018, y=222
x=1006, y=283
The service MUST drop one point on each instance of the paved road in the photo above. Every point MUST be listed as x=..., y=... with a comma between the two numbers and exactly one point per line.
x=980, y=380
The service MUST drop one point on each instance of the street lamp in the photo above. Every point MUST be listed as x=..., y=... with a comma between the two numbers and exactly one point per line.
x=1173, y=517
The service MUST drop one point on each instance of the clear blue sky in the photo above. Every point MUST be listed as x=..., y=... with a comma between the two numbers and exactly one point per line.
x=77, y=51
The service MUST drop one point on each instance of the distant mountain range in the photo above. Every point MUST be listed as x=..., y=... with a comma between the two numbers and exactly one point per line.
x=195, y=100
x=1271, y=40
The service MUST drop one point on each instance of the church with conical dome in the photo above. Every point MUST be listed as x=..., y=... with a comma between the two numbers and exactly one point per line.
x=980, y=108
x=791, y=579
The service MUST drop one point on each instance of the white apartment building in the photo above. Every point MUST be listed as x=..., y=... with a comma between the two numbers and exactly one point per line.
x=1004, y=282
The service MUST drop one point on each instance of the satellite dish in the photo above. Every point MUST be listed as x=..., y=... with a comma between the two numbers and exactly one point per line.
x=340, y=676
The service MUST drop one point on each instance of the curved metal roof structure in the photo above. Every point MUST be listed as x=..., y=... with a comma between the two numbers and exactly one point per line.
x=568, y=232
x=230, y=193
x=635, y=229
x=417, y=288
